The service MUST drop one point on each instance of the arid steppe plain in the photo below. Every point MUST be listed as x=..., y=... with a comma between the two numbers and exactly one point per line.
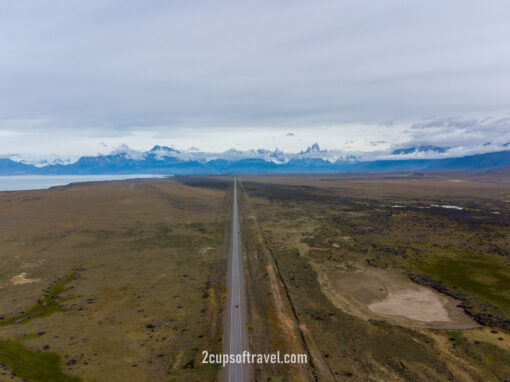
x=388, y=277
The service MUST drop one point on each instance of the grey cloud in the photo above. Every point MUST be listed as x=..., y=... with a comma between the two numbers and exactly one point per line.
x=110, y=69
x=462, y=135
x=377, y=143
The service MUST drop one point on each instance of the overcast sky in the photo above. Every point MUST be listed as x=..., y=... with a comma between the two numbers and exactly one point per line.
x=81, y=77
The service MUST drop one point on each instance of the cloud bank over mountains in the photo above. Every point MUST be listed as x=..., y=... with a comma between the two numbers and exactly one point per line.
x=277, y=156
x=169, y=161
x=431, y=139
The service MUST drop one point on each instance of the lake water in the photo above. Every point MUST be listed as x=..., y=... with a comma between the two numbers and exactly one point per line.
x=448, y=207
x=35, y=182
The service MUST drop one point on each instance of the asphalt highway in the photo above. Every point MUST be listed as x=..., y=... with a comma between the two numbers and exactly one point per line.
x=235, y=331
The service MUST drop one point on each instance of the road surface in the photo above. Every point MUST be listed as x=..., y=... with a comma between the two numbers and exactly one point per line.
x=236, y=336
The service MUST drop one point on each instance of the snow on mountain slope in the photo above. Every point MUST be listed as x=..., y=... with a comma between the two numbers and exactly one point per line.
x=276, y=156
x=125, y=157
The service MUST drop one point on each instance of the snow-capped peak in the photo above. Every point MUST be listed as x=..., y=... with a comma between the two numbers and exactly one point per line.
x=161, y=152
x=127, y=152
x=41, y=162
x=159, y=148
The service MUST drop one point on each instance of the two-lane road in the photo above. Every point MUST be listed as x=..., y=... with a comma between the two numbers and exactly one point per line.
x=236, y=337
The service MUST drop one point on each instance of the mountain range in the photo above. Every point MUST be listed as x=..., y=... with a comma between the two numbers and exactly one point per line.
x=167, y=160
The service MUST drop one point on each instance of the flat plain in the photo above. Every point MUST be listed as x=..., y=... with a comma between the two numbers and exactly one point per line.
x=386, y=277
x=111, y=281
x=376, y=277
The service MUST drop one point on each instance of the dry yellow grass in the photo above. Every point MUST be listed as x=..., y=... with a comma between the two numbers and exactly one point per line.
x=148, y=258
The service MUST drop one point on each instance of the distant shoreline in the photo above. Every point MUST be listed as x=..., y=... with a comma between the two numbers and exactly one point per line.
x=39, y=182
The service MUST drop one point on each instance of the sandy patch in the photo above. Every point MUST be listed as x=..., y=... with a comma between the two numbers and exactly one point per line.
x=422, y=305
x=372, y=293
x=22, y=279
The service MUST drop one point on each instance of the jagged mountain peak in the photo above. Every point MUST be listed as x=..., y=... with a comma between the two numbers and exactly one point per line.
x=164, y=148
x=315, y=148
x=126, y=160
